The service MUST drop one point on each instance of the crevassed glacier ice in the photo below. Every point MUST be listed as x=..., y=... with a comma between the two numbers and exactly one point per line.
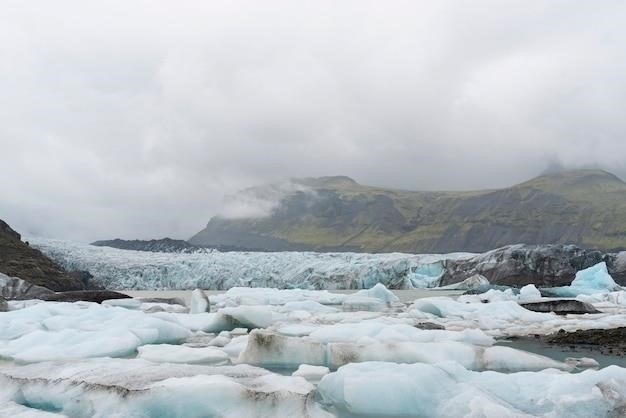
x=125, y=269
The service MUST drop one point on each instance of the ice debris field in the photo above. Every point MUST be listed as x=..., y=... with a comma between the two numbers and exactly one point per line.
x=262, y=352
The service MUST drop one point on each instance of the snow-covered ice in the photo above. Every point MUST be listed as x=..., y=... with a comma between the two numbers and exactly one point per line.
x=165, y=353
x=312, y=374
x=68, y=331
x=136, y=388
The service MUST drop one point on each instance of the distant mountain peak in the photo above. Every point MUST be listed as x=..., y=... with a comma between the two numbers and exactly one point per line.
x=328, y=181
x=578, y=177
x=581, y=172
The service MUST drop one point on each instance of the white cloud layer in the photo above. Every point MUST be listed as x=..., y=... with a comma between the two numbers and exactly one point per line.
x=134, y=118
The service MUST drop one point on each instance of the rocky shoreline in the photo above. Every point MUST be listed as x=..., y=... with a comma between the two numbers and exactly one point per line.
x=606, y=341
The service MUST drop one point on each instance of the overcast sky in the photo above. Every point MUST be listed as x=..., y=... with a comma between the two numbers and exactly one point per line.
x=133, y=119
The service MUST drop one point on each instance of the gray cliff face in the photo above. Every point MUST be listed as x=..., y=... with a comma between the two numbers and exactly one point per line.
x=544, y=266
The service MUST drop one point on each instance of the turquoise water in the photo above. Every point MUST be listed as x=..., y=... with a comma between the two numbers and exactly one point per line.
x=560, y=353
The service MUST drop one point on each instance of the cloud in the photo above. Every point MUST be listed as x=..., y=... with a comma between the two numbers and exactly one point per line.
x=261, y=201
x=134, y=119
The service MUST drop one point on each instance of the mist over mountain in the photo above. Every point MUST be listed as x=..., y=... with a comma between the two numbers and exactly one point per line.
x=585, y=207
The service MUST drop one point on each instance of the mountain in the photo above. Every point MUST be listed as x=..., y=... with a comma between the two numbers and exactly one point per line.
x=163, y=245
x=582, y=207
x=18, y=259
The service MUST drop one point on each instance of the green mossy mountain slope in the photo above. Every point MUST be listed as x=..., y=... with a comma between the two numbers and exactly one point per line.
x=582, y=207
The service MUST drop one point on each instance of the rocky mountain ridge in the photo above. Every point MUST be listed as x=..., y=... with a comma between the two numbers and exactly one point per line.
x=163, y=245
x=18, y=259
x=586, y=208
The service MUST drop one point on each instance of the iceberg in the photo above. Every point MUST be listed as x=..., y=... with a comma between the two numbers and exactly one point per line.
x=595, y=279
x=269, y=349
x=69, y=331
x=137, y=388
x=398, y=390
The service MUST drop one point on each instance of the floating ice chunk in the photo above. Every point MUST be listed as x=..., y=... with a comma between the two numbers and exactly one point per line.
x=387, y=389
x=250, y=316
x=529, y=293
x=582, y=362
x=309, y=306
x=269, y=349
x=297, y=330
x=595, y=279
x=199, y=302
x=380, y=292
x=263, y=296
x=507, y=359
x=60, y=331
x=397, y=390
x=226, y=319
x=219, y=341
x=128, y=303
x=236, y=346
x=136, y=388
x=153, y=307
x=312, y=374
x=385, y=332
x=375, y=299
x=166, y=353
x=363, y=303
x=485, y=312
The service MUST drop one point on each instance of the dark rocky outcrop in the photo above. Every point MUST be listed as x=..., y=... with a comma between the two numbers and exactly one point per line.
x=18, y=259
x=164, y=245
x=542, y=265
x=608, y=341
x=561, y=307
x=429, y=326
x=4, y=306
x=96, y=296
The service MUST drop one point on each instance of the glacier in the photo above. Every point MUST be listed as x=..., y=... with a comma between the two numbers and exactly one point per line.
x=117, y=269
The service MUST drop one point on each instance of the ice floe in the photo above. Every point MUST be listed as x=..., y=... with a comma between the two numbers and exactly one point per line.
x=447, y=389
